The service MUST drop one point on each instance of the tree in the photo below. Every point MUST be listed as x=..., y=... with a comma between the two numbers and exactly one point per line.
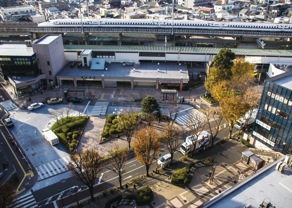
x=231, y=91
x=146, y=146
x=149, y=104
x=214, y=120
x=171, y=137
x=196, y=123
x=128, y=123
x=221, y=69
x=223, y=60
x=6, y=194
x=86, y=166
x=117, y=161
x=232, y=109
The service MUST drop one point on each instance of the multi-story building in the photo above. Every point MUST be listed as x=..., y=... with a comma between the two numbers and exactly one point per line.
x=17, y=12
x=50, y=53
x=19, y=67
x=32, y=66
x=273, y=126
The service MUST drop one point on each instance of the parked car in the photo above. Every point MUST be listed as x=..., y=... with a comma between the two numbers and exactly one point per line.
x=164, y=161
x=35, y=106
x=8, y=122
x=52, y=101
x=74, y=100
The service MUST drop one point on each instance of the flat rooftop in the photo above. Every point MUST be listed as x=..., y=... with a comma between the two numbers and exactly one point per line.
x=267, y=184
x=167, y=71
x=178, y=49
x=15, y=50
x=47, y=39
x=284, y=80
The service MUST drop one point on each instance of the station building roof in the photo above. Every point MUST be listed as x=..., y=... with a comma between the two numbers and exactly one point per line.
x=164, y=72
x=174, y=49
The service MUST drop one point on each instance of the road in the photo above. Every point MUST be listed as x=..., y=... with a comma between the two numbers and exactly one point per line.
x=108, y=179
x=54, y=179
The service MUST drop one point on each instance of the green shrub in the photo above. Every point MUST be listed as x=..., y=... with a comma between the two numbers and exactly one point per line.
x=68, y=129
x=105, y=134
x=69, y=134
x=65, y=129
x=245, y=142
x=72, y=146
x=110, y=118
x=74, y=141
x=115, y=121
x=75, y=136
x=113, y=131
x=181, y=176
x=144, y=196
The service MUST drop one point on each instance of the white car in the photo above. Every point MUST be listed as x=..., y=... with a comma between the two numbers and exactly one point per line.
x=164, y=161
x=35, y=106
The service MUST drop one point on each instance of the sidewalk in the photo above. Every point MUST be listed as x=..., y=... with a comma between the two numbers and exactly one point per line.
x=123, y=94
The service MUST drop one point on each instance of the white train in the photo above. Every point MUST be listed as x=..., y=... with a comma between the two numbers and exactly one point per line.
x=177, y=24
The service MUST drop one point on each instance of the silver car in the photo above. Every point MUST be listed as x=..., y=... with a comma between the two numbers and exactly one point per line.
x=35, y=106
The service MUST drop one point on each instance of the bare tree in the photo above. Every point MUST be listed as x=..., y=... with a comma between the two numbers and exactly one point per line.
x=86, y=166
x=196, y=123
x=146, y=146
x=171, y=137
x=214, y=119
x=117, y=161
x=172, y=113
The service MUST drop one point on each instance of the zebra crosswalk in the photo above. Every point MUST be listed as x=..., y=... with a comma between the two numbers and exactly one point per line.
x=189, y=117
x=8, y=105
x=25, y=201
x=53, y=168
x=99, y=109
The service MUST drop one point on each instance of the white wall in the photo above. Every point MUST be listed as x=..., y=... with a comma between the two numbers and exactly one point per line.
x=268, y=60
x=274, y=71
x=261, y=146
x=71, y=56
x=127, y=57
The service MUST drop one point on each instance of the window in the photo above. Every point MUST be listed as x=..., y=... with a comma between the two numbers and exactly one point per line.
x=50, y=73
x=48, y=63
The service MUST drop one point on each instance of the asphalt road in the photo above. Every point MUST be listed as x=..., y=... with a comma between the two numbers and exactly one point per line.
x=109, y=179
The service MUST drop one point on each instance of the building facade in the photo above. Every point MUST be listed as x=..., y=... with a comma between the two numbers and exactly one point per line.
x=19, y=67
x=273, y=126
x=50, y=53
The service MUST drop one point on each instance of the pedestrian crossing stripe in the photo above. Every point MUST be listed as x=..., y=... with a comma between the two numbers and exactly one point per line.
x=99, y=109
x=191, y=115
x=8, y=105
x=25, y=201
x=53, y=168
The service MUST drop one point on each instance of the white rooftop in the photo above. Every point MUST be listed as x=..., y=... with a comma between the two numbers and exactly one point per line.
x=268, y=184
x=15, y=50
x=47, y=39
x=285, y=80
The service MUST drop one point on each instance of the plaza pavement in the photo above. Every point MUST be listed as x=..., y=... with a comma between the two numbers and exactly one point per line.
x=227, y=172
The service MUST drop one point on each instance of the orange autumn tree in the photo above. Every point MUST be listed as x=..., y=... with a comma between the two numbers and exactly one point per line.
x=146, y=146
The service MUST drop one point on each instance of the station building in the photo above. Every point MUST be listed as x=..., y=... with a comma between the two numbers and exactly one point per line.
x=53, y=64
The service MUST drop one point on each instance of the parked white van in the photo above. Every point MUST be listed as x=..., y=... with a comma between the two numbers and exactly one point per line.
x=164, y=161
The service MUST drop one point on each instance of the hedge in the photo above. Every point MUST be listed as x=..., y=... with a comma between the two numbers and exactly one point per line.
x=181, y=176
x=144, y=195
x=69, y=130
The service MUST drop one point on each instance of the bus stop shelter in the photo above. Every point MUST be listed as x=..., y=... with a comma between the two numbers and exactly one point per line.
x=166, y=93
